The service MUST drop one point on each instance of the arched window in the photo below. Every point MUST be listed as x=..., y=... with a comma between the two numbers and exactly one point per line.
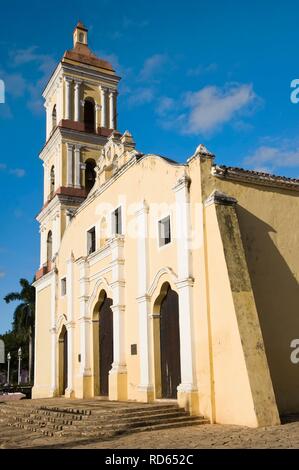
x=49, y=248
x=54, y=117
x=90, y=174
x=52, y=180
x=89, y=115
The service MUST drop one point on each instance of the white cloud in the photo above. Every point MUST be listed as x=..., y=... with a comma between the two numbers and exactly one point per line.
x=2, y=274
x=164, y=105
x=141, y=96
x=207, y=110
x=270, y=158
x=18, y=85
x=18, y=172
x=212, y=106
x=152, y=65
x=15, y=83
x=202, y=69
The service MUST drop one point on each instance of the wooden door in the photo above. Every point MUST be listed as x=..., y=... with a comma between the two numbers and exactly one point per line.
x=170, y=345
x=65, y=361
x=106, y=344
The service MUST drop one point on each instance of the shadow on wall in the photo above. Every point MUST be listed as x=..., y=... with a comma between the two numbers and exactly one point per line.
x=276, y=293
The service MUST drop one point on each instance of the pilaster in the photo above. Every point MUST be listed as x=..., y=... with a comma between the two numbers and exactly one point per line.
x=118, y=373
x=187, y=390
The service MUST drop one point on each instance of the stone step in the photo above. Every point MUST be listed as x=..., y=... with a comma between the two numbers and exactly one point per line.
x=194, y=422
x=142, y=428
x=123, y=426
x=101, y=423
x=137, y=409
x=151, y=421
x=127, y=420
x=149, y=412
x=75, y=411
x=61, y=415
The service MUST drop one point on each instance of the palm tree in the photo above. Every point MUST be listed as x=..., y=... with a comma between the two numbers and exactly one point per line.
x=24, y=316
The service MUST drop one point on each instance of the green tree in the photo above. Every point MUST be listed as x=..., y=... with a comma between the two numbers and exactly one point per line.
x=24, y=316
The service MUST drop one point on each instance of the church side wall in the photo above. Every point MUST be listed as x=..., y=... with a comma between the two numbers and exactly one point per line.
x=267, y=218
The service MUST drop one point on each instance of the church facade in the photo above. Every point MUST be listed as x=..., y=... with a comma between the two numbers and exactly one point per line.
x=159, y=280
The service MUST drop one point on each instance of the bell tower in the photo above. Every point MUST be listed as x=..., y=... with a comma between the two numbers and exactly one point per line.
x=80, y=34
x=81, y=114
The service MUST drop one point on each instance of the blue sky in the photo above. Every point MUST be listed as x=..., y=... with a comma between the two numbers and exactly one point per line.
x=212, y=72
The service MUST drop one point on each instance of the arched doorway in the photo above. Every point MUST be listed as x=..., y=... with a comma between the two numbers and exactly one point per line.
x=169, y=342
x=89, y=115
x=90, y=174
x=103, y=344
x=63, y=361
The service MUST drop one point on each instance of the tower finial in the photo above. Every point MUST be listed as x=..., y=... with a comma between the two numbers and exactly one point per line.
x=80, y=34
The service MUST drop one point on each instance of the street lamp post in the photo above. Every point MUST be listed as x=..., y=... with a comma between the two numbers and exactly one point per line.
x=8, y=367
x=19, y=365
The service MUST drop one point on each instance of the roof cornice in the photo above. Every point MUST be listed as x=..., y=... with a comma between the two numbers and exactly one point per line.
x=255, y=177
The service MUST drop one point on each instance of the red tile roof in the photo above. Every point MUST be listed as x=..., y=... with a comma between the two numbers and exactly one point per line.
x=81, y=53
x=80, y=25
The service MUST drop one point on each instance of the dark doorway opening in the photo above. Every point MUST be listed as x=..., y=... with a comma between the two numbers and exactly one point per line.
x=89, y=115
x=63, y=361
x=105, y=343
x=170, y=344
x=90, y=174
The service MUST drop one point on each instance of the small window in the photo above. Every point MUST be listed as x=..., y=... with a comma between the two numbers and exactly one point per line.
x=164, y=231
x=63, y=286
x=91, y=241
x=116, y=222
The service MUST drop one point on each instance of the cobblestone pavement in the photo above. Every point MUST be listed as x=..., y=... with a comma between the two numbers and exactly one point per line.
x=196, y=437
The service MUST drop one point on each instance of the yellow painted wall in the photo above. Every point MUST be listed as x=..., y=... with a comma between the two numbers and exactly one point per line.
x=42, y=379
x=266, y=216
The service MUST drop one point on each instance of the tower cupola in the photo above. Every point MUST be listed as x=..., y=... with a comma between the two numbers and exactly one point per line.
x=80, y=34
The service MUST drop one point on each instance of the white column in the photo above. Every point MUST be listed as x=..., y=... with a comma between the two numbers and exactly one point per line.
x=53, y=336
x=77, y=101
x=46, y=181
x=70, y=165
x=85, y=322
x=70, y=326
x=118, y=307
x=97, y=108
x=59, y=101
x=184, y=286
x=67, y=108
x=56, y=232
x=118, y=372
x=112, y=109
x=104, y=107
x=48, y=120
x=58, y=166
x=143, y=300
x=77, y=166
x=43, y=245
